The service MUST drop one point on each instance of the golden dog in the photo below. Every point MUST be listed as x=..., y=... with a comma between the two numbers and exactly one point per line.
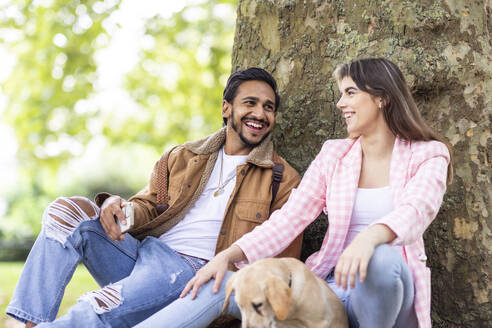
x=284, y=293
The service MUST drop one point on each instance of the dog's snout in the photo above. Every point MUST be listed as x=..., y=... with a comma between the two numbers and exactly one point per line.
x=257, y=307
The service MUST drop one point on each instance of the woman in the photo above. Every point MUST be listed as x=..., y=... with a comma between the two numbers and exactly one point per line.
x=381, y=188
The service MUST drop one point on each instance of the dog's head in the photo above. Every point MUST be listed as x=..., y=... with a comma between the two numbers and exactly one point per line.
x=262, y=293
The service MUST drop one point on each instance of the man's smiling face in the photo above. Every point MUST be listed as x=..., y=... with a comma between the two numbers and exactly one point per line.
x=252, y=114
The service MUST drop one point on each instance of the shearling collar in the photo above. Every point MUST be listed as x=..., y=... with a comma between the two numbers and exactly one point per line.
x=261, y=155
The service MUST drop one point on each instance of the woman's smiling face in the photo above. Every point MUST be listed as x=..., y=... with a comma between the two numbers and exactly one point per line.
x=360, y=110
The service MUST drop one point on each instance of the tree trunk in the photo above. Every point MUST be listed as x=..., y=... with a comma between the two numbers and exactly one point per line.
x=444, y=49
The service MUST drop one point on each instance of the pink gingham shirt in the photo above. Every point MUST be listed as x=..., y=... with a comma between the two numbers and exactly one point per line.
x=417, y=179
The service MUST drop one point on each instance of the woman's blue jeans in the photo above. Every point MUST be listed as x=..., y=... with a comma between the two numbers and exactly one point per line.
x=139, y=278
x=384, y=300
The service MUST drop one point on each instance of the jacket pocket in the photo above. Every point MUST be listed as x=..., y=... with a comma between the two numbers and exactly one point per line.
x=248, y=214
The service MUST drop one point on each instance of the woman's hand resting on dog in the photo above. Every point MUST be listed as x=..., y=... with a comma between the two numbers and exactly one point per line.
x=355, y=258
x=216, y=269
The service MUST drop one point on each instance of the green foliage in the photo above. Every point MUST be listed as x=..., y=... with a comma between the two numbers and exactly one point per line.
x=52, y=105
x=182, y=74
x=55, y=45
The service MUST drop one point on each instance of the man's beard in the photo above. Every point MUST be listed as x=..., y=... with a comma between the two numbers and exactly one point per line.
x=242, y=137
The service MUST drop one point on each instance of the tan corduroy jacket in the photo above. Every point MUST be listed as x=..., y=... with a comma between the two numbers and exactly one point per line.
x=190, y=166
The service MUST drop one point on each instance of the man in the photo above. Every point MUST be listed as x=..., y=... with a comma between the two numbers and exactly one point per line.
x=218, y=188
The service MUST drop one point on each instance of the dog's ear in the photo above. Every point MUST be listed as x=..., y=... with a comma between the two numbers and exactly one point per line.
x=229, y=289
x=279, y=295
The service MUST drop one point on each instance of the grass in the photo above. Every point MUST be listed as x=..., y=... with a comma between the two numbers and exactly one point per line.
x=10, y=272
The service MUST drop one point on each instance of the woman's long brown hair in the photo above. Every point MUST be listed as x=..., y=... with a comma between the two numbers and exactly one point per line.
x=382, y=78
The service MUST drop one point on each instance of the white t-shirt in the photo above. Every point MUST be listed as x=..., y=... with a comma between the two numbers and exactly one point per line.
x=196, y=234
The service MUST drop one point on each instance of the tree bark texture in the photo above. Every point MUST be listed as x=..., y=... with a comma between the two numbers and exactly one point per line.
x=444, y=49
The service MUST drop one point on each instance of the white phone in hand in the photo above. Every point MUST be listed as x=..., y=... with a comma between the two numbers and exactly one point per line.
x=129, y=215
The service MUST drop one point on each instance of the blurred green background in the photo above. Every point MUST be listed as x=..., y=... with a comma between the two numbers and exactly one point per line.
x=92, y=93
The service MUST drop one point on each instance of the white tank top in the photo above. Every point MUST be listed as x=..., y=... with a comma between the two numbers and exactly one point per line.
x=370, y=205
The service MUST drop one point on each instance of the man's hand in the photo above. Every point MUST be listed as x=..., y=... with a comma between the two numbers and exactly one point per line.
x=216, y=269
x=111, y=211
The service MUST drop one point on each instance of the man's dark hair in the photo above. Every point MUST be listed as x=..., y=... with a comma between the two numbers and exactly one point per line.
x=249, y=74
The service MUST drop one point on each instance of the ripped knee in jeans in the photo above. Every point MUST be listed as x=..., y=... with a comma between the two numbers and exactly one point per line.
x=62, y=217
x=105, y=299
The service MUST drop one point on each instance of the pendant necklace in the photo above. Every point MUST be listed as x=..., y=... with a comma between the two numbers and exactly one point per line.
x=220, y=188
